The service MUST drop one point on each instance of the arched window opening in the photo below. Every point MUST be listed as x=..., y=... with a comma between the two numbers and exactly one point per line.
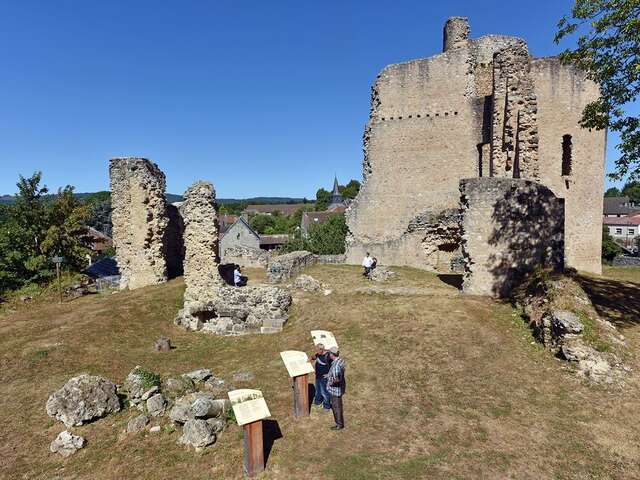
x=566, y=155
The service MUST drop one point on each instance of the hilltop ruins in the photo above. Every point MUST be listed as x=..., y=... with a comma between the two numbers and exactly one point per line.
x=483, y=109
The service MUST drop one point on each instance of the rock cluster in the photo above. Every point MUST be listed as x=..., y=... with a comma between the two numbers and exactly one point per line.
x=381, y=274
x=307, y=283
x=82, y=399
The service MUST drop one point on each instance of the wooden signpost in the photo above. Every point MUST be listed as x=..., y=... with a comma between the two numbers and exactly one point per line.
x=299, y=368
x=58, y=261
x=250, y=409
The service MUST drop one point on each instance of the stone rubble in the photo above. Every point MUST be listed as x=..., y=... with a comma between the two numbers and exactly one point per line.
x=66, y=444
x=137, y=423
x=82, y=399
x=284, y=267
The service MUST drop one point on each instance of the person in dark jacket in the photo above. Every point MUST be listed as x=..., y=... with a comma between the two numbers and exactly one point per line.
x=321, y=362
x=336, y=385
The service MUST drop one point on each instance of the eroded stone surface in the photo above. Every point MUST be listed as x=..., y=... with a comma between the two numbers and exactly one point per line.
x=82, y=399
x=283, y=267
x=66, y=444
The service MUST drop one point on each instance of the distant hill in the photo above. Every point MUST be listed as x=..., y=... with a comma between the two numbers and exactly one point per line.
x=172, y=197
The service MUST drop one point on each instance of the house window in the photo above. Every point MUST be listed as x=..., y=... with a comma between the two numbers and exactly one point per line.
x=618, y=231
x=566, y=155
x=631, y=231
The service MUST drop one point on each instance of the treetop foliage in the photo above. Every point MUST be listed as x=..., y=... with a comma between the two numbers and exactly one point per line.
x=608, y=51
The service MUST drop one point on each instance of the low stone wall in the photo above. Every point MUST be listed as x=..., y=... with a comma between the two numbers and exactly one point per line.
x=284, y=267
x=238, y=311
x=625, y=261
x=246, y=257
x=331, y=259
x=509, y=227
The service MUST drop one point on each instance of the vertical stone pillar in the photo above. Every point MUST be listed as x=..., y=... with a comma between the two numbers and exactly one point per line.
x=199, y=214
x=456, y=32
x=139, y=218
x=514, y=132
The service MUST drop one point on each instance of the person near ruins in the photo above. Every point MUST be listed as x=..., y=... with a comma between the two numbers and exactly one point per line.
x=238, y=279
x=322, y=363
x=336, y=385
x=367, y=264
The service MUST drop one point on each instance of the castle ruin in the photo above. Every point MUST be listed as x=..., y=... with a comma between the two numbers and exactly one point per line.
x=482, y=109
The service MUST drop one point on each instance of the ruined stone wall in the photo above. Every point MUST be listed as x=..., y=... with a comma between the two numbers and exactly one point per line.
x=139, y=217
x=428, y=119
x=283, y=267
x=199, y=213
x=246, y=256
x=509, y=228
x=562, y=93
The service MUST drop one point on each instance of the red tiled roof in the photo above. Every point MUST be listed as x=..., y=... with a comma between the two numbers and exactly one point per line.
x=274, y=239
x=634, y=220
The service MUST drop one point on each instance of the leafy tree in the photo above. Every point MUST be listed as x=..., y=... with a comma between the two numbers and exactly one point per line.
x=632, y=190
x=608, y=51
x=612, y=192
x=261, y=223
x=351, y=189
x=610, y=249
x=66, y=233
x=323, y=199
x=328, y=238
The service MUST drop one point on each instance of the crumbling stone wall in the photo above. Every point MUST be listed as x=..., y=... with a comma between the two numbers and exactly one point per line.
x=139, y=220
x=246, y=257
x=284, y=267
x=509, y=228
x=210, y=305
x=482, y=108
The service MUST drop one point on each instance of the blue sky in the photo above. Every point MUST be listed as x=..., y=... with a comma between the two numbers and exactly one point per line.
x=260, y=97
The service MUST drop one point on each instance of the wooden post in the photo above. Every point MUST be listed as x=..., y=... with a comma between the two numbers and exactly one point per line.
x=59, y=283
x=301, y=396
x=253, y=449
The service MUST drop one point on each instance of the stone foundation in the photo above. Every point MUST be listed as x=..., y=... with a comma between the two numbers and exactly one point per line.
x=509, y=228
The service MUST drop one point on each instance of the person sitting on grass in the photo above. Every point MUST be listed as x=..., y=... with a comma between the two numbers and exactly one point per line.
x=367, y=263
x=238, y=279
x=336, y=385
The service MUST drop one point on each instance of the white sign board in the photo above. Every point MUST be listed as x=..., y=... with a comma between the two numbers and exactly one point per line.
x=248, y=405
x=297, y=363
x=325, y=338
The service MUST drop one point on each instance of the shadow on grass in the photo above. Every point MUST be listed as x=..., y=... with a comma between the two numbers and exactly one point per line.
x=453, y=279
x=618, y=302
x=270, y=433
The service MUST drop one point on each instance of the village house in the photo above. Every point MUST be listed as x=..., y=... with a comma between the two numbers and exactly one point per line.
x=624, y=230
x=240, y=234
x=619, y=207
x=338, y=205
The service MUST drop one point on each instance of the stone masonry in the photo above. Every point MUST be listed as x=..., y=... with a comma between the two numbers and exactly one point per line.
x=140, y=221
x=483, y=108
x=509, y=228
x=210, y=305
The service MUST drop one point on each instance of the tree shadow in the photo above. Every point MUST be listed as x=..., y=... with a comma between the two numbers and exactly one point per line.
x=616, y=301
x=525, y=232
x=453, y=279
x=270, y=433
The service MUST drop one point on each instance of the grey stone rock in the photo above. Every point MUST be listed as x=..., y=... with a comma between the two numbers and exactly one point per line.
x=199, y=375
x=66, y=444
x=381, y=274
x=155, y=429
x=156, y=405
x=181, y=412
x=152, y=391
x=243, y=376
x=163, y=344
x=82, y=399
x=307, y=283
x=204, y=407
x=134, y=384
x=564, y=322
x=175, y=387
x=197, y=433
x=137, y=423
x=216, y=386
x=217, y=424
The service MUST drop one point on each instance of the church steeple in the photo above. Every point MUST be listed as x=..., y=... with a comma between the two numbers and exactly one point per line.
x=336, y=197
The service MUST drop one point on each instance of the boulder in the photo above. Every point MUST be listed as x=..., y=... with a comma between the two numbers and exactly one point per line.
x=152, y=391
x=82, y=399
x=137, y=423
x=163, y=344
x=156, y=405
x=181, y=412
x=204, y=407
x=197, y=433
x=199, y=375
x=564, y=322
x=217, y=386
x=176, y=387
x=66, y=443
x=217, y=424
x=137, y=383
